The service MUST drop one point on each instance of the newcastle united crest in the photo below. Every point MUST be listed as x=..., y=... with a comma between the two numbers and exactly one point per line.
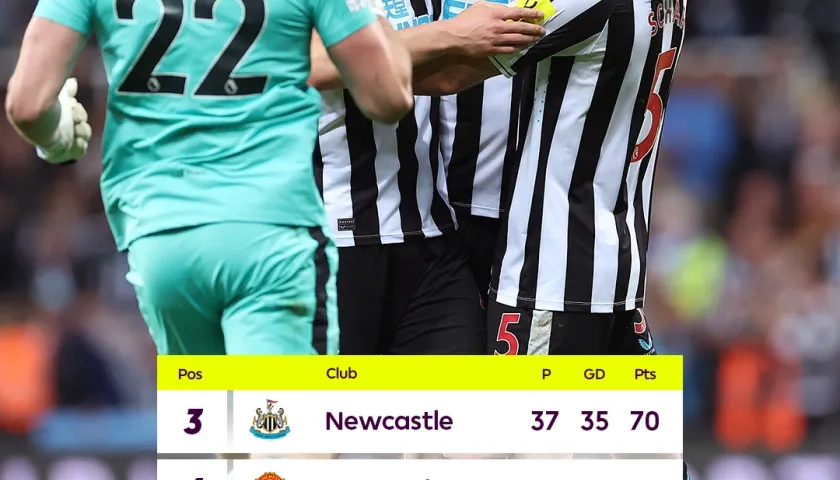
x=270, y=425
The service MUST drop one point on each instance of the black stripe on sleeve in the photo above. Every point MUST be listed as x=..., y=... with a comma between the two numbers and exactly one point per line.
x=581, y=245
x=573, y=32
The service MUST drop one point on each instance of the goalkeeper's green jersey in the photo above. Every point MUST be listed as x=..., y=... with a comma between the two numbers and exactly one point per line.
x=209, y=116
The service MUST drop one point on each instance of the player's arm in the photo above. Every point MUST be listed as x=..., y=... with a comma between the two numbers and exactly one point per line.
x=572, y=29
x=376, y=68
x=453, y=74
x=377, y=71
x=40, y=101
x=479, y=31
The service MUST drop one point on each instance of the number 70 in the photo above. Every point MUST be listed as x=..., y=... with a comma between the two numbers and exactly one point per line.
x=651, y=420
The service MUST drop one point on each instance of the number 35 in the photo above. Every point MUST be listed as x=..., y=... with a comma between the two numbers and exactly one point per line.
x=600, y=422
x=655, y=105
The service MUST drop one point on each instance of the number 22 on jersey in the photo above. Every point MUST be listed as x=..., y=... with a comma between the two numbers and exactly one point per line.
x=219, y=79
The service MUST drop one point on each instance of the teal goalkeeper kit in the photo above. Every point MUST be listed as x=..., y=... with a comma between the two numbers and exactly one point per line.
x=209, y=119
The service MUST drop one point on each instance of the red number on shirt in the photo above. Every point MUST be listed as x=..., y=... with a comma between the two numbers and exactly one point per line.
x=655, y=105
x=504, y=335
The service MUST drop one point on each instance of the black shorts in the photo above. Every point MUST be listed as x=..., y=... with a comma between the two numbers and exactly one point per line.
x=479, y=235
x=519, y=331
x=410, y=298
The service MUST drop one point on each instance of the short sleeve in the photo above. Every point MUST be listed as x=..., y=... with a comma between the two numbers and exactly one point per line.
x=572, y=29
x=75, y=14
x=336, y=20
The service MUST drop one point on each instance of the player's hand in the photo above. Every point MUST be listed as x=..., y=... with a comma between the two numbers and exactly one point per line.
x=73, y=132
x=485, y=29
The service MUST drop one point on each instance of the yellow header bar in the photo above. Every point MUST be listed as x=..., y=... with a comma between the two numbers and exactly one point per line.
x=649, y=372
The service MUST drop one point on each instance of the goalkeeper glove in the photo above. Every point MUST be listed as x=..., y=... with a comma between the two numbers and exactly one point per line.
x=71, y=137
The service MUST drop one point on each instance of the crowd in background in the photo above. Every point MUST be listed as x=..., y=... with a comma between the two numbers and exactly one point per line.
x=744, y=277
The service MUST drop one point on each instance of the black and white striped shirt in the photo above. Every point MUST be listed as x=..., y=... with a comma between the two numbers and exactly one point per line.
x=478, y=151
x=478, y=144
x=383, y=183
x=576, y=232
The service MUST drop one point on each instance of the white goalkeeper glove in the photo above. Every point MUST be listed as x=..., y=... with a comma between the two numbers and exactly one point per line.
x=71, y=137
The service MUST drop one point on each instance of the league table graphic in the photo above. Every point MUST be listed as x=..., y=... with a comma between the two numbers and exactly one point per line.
x=543, y=413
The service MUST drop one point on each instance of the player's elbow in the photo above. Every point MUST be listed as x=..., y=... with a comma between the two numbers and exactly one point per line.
x=323, y=74
x=390, y=108
x=377, y=70
x=324, y=81
x=317, y=79
x=398, y=97
x=399, y=108
x=24, y=107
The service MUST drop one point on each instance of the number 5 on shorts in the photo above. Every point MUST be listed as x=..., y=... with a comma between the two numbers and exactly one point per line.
x=504, y=334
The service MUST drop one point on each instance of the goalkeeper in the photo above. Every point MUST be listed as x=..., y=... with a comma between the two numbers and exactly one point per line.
x=207, y=174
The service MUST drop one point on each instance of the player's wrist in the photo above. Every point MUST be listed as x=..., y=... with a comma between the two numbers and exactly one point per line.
x=63, y=132
x=61, y=139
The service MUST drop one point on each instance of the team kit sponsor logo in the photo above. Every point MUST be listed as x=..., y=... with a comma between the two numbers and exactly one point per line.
x=640, y=328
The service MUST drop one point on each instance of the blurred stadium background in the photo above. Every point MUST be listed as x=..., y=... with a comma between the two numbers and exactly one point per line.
x=745, y=276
